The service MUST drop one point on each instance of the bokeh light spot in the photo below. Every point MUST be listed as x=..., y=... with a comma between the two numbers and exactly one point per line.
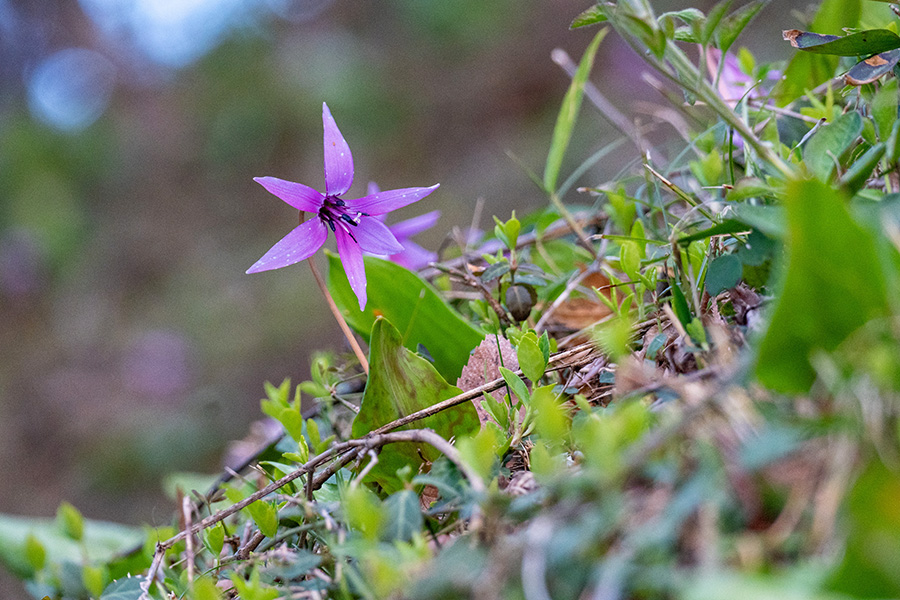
x=70, y=89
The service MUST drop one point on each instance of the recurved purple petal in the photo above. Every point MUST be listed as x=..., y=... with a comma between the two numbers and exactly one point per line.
x=384, y=202
x=299, y=244
x=352, y=259
x=297, y=195
x=374, y=237
x=410, y=227
x=338, y=160
x=414, y=256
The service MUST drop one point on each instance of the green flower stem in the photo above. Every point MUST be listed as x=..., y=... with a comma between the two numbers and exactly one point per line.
x=710, y=96
x=338, y=316
x=687, y=75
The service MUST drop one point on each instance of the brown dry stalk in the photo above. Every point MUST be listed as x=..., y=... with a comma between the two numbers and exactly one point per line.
x=344, y=452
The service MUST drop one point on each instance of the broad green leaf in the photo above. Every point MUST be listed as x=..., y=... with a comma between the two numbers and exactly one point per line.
x=483, y=450
x=551, y=419
x=884, y=109
x=127, y=588
x=859, y=172
x=516, y=385
x=531, y=358
x=768, y=219
x=868, y=568
x=252, y=589
x=404, y=519
x=363, y=511
x=565, y=121
x=265, y=515
x=830, y=142
x=832, y=286
x=214, y=539
x=204, y=588
x=401, y=383
x=100, y=541
x=94, y=579
x=862, y=43
x=413, y=306
x=724, y=273
x=35, y=553
x=70, y=521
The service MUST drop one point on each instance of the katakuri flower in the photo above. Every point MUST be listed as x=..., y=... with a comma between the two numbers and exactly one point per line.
x=352, y=221
x=413, y=256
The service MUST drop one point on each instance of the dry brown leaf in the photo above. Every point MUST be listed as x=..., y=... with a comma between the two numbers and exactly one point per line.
x=484, y=366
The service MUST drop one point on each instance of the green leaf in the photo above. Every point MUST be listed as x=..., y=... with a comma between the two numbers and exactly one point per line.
x=551, y=420
x=833, y=285
x=214, y=539
x=868, y=568
x=716, y=13
x=565, y=121
x=413, y=306
x=531, y=357
x=404, y=517
x=680, y=305
x=724, y=273
x=363, y=511
x=127, y=588
x=515, y=384
x=495, y=271
x=70, y=521
x=401, y=383
x=829, y=143
x=859, y=172
x=884, y=108
x=591, y=16
x=734, y=24
x=35, y=553
x=265, y=515
x=861, y=43
x=100, y=541
x=94, y=579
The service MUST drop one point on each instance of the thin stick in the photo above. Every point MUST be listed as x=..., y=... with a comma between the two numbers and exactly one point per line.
x=187, y=510
x=340, y=318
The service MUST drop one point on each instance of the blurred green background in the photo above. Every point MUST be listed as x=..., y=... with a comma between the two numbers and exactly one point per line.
x=132, y=343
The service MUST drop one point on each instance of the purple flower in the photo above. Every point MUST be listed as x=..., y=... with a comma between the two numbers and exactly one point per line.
x=351, y=221
x=413, y=256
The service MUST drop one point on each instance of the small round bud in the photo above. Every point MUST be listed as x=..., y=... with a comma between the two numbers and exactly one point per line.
x=520, y=299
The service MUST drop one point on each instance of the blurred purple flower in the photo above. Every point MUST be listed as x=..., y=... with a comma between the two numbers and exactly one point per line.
x=734, y=84
x=354, y=231
x=413, y=256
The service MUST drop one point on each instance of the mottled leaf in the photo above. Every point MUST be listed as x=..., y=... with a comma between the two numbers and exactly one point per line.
x=872, y=68
x=401, y=383
x=862, y=43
